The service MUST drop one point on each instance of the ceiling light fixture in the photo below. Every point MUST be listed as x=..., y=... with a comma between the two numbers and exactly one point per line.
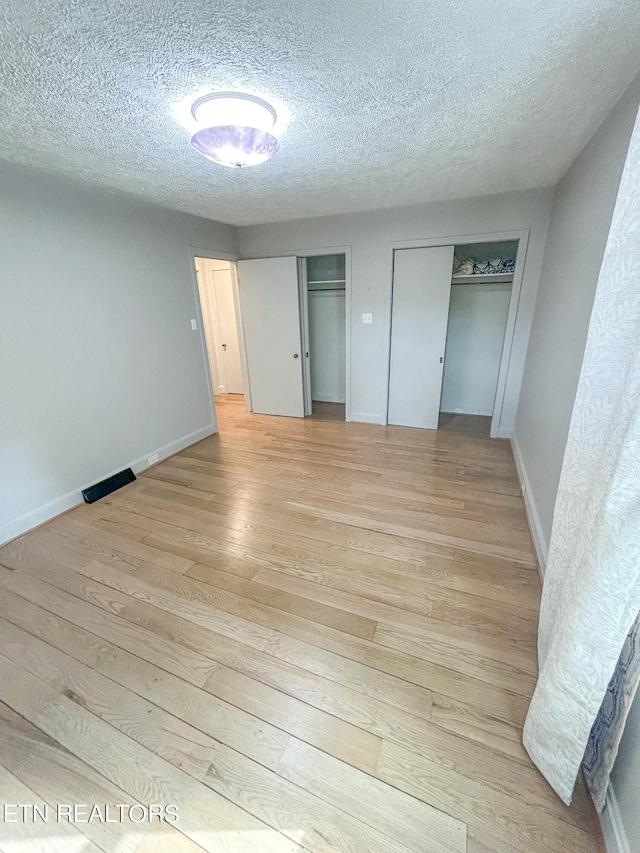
x=235, y=129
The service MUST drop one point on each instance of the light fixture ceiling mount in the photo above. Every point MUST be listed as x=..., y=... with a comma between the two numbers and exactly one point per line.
x=235, y=128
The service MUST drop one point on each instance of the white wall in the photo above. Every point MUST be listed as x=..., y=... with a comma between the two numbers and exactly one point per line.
x=99, y=366
x=327, y=345
x=475, y=336
x=582, y=208
x=368, y=235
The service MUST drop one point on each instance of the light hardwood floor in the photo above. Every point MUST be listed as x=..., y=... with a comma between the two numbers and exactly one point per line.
x=477, y=426
x=307, y=634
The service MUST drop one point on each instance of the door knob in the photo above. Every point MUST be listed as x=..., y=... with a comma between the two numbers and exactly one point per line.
x=295, y=355
x=224, y=346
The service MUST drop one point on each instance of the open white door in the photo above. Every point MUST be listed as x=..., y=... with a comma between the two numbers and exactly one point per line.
x=269, y=296
x=419, y=315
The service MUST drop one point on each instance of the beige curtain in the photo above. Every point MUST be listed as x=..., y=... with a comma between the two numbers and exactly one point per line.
x=591, y=593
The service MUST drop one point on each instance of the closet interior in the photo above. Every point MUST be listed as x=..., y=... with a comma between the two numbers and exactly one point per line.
x=449, y=312
x=481, y=283
x=326, y=321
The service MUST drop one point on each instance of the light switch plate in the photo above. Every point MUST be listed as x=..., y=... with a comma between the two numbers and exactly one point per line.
x=367, y=318
x=194, y=325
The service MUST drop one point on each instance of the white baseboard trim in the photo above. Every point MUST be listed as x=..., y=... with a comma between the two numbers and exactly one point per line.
x=364, y=418
x=615, y=836
x=74, y=498
x=539, y=540
x=504, y=432
x=328, y=398
x=483, y=412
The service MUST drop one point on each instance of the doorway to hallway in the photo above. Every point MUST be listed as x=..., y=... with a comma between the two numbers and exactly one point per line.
x=217, y=286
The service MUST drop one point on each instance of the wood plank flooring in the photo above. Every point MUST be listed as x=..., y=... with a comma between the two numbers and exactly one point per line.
x=308, y=635
x=478, y=426
x=323, y=411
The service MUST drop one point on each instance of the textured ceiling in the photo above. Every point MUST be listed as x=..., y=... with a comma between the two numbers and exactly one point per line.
x=390, y=102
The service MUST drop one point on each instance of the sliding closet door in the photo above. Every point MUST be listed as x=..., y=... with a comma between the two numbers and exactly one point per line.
x=268, y=291
x=420, y=309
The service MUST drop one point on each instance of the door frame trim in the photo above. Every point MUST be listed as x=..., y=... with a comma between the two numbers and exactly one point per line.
x=244, y=364
x=522, y=236
x=303, y=302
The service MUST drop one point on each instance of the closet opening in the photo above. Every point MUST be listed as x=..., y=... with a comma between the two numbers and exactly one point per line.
x=323, y=302
x=453, y=310
x=220, y=309
x=481, y=282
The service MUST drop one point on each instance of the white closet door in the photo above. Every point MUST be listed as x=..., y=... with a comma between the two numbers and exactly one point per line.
x=271, y=321
x=420, y=309
x=228, y=331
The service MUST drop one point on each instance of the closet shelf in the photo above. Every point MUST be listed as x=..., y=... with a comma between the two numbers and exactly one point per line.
x=496, y=278
x=326, y=281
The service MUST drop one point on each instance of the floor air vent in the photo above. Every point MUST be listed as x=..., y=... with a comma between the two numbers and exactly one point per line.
x=105, y=487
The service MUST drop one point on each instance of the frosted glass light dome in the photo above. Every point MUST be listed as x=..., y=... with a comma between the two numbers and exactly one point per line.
x=235, y=145
x=235, y=129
